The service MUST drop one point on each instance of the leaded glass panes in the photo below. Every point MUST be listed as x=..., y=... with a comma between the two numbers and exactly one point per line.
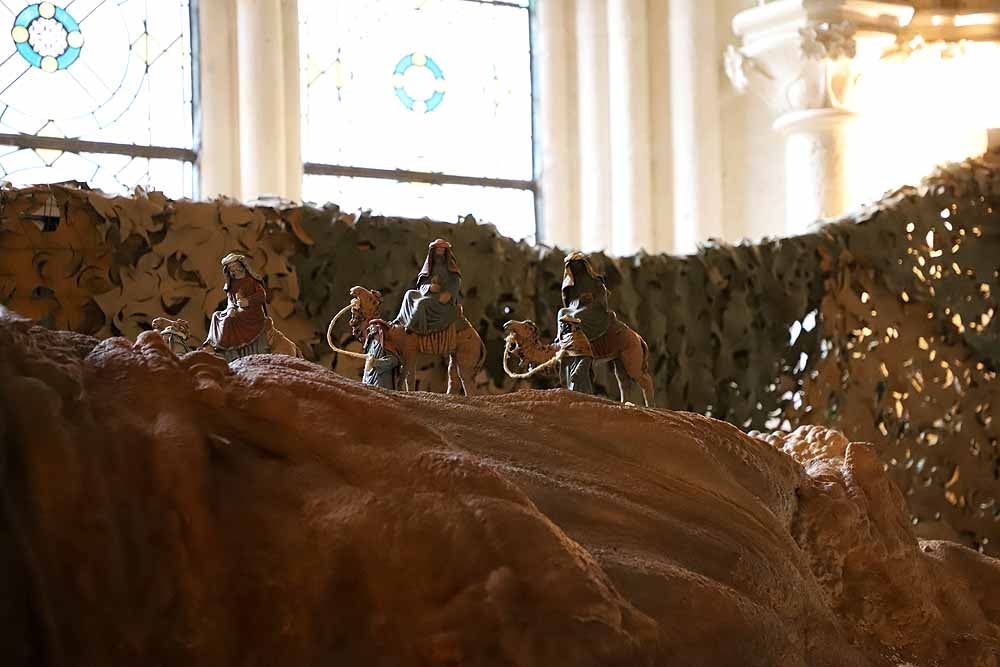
x=110, y=172
x=104, y=71
x=424, y=85
x=429, y=86
x=511, y=210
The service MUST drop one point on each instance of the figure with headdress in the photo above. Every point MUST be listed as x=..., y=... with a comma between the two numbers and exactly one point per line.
x=588, y=331
x=583, y=319
x=585, y=296
x=383, y=362
x=433, y=305
x=241, y=329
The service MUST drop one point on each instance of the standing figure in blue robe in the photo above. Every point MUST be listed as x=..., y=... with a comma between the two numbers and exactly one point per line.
x=382, y=365
x=584, y=319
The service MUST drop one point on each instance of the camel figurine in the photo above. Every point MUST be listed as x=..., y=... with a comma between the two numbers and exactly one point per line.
x=177, y=333
x=621, y=345
x=525, y=345
x=460, y=343
x=280, y=343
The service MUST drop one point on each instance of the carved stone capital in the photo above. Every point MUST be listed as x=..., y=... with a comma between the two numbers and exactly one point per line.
x=828, y=40
x=807, y=54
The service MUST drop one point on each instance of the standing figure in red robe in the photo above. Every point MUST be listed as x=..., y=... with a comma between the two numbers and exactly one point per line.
x=241, y=329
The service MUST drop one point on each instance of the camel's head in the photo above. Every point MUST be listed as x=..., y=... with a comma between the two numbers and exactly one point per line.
x=169, y=327
x=366, y=301
x=521, y=333
x=365, y=304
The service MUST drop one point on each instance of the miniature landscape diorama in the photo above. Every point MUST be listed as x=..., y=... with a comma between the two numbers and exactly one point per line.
x=283, y=384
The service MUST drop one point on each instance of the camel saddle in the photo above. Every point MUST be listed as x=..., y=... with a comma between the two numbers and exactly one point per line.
x=611, y=341
x=443, y=342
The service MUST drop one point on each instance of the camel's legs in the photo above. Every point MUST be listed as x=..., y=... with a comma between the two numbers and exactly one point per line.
x=646, y=384
x=467, y=375
x=408, y=373
x=461, y=377
x=622, y=377
x=454, y=375
x=634, y=365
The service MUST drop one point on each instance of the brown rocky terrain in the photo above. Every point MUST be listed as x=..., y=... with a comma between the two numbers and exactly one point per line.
x=175, y=511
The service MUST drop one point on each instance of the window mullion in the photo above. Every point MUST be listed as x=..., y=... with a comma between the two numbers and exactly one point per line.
x=80, y=146
x=415, y=176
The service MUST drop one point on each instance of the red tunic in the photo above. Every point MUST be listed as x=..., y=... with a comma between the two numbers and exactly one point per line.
x=232, y=327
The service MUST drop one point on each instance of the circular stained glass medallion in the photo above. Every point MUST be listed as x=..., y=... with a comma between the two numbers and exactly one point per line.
x=419, y=82
x=92, y=85
x=47, y=37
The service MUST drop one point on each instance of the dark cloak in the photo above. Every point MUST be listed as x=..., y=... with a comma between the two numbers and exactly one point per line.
x=421, y=311
x=585, y=296
x=384, y=371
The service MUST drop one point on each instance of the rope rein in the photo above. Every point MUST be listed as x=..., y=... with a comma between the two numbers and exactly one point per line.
x=329, y=335
x=523, y=376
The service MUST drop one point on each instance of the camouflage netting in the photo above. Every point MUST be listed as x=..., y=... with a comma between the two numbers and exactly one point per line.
x=881, y=325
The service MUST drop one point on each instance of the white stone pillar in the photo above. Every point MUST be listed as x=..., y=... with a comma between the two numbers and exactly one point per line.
x=263, y=134
x=219, y=151
x=803, y=58
x=661, y=145
x=630, y=131
x=555, y=57
x=696, y=118
x=594, y=138
x=292, y=101
x=817, y=142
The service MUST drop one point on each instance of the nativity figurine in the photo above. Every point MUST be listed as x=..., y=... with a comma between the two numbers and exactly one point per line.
x=588, y=331
x=382, y=360
x=244, y=327
x=175, y=333
x=434, y=305
x=577, y=355
x=430, y=321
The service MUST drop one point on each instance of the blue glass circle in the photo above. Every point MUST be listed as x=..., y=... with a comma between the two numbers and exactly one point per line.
x=432, y=102
x=32, y=13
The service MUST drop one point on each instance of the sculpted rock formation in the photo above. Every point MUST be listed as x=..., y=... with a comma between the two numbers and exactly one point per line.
x=178, y=511
x=882, y=325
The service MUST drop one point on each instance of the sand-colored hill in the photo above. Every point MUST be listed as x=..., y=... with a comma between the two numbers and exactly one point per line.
x=165, y=511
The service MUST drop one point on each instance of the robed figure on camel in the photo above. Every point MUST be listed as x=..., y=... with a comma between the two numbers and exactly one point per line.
x=244, y=327
x=430, y=321
x=588, y=331
x=433, y=306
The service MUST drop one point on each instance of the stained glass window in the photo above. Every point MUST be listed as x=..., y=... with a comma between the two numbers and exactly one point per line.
x=99, y=91
x=401, y=91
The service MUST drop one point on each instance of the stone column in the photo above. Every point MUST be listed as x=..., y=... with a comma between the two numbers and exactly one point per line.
x=816, y=165
x=292, y=100
x=631, y=134
x=261, y=67
x=696, y=119
x=219, y=154
x=594, y=140
x=803, y=58
x=555, y=57
x=661, y=145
